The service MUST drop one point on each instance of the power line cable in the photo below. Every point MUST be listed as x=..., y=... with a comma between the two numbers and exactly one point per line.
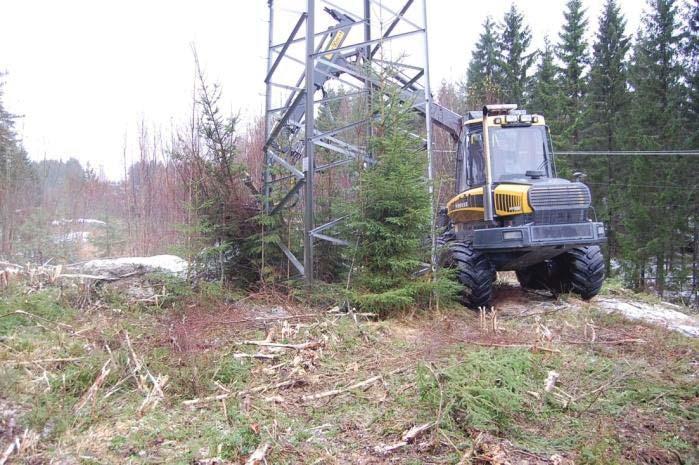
x=634, y=153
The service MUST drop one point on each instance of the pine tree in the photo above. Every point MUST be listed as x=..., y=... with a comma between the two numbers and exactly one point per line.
x=514, y=59
x=484, y=73
x=606, y=112
x=572, y=53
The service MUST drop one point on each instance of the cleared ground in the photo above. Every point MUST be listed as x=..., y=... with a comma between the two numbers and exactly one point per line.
x=206, y=377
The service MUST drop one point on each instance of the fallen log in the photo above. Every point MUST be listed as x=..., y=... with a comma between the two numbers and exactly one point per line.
x=260, y=356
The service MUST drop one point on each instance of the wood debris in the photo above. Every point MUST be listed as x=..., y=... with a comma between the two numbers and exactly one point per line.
x=408, y=437
x=259, y=456
x=14, y=446
x=90, y=394
x=303, y=346
x=258, y=355
x=334, y=392
x=246, y=392
x=551, y=381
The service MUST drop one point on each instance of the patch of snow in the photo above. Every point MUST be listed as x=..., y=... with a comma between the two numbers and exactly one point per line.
x=615, y=264
x=10, y=268
x=120, y=266
x=76, y=236
x=88, y=221
x=663, y=314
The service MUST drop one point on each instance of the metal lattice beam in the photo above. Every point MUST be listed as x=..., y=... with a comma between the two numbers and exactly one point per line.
x=348, y=46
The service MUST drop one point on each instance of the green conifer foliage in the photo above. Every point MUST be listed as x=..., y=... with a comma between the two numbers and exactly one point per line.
x=545, y=96
x=653, y=229
x=573, y=55
x=691, y=73
x=484, y=75
x=606, y=116
x=655, y=77
x=515, y=61
x=18, y=183
x=392, y=213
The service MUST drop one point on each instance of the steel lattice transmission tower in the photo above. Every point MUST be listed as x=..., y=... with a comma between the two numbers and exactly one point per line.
x=344, y=47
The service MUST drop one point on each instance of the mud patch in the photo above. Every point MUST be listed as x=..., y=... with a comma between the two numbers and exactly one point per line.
x=197, y=328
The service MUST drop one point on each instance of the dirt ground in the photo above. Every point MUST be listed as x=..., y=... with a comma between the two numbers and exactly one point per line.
x=211, y=378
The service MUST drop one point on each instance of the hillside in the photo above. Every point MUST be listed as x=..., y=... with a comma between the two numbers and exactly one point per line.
x=88, y=375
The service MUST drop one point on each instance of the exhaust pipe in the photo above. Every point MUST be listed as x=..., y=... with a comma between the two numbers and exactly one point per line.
x=488, y=188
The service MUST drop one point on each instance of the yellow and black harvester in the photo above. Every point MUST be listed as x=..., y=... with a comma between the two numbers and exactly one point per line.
x=512, y=212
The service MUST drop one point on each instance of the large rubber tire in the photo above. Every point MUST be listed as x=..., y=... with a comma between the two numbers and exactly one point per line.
x=584, y=267
x=473, y=270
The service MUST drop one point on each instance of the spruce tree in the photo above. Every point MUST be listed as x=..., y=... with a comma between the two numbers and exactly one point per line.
x=656, y=78
x=690, y=51
x=545, y=97
x=572, y=53
x=691, y=67
x=658, y=124
x=391, y=216
x=608, y=98
x=484, y=75
x=18, y=183
x=606, y=112
x=514, y=59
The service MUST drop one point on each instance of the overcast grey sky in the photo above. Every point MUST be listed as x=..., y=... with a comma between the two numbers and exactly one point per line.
x=84, y=73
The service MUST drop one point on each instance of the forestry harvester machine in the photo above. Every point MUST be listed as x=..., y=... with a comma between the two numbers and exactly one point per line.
x=510, y=211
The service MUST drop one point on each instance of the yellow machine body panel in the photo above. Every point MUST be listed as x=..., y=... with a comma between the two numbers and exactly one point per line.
x=467, y=206
x=510, y=199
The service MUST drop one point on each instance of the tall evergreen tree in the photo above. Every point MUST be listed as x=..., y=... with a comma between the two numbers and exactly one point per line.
x=606, y=111
x=18, y=184
x=545, y=96
x=514, y=59
x=484, y=73
x=572, y=53
x=690, y=51
x=608, y=98
x=691, y=67
x=657, y=125
x=656, y=78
